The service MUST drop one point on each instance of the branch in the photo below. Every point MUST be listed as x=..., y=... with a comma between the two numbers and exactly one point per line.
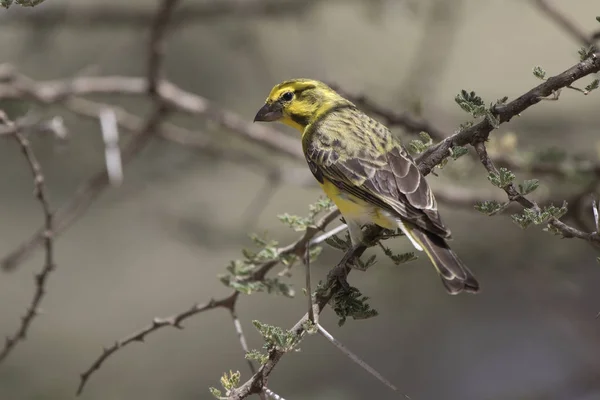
x=48, y=232
x=129, y=15
x=229, y=302
x=504, y=113
x=334, y=284
x=158, y=323
x=51, y=92
x=513, y=195
x=565, y=23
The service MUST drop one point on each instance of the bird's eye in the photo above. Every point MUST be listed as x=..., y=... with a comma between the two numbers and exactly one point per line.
x=287, y=96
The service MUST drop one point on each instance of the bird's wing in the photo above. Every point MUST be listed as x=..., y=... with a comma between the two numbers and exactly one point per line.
x=381, y=174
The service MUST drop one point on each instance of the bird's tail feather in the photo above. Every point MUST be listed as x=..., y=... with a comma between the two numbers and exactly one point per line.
x=456, y=277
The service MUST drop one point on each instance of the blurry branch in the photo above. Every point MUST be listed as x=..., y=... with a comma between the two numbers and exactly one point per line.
x=298, y=248
x=42, y=276
x=130, y=15
x=565, y=23
x=19, y=87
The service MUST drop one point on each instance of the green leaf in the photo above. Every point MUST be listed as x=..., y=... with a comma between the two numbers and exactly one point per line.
x=539, y=72
x=503, y=178
x=364, y=265
x=528, y=186
x=255, y=355
x=338, y=243
x=351, y=303
x=598, y=19
x=276, y=337
x=489, y=207
x=502, y=101
x=471, y=103
x=592, y=86
x=215, y=392
x=598, y=260
x=586, y=52
x=398, y=258
x=537, y=217
x=6, y=3
x=417, y=146
x=295, y=222
x=492, y=119
x=458, y=151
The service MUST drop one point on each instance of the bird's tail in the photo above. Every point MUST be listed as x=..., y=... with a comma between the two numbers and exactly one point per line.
x=456, y=277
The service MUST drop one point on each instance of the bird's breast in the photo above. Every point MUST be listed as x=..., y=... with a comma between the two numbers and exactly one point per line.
x=357, y=209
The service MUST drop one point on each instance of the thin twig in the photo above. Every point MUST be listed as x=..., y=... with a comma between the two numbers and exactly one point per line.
x=158, y=323
x=357, y=359
x=564, y=22
x=228, y=302
x=49, y=266
x=435, y=154
x=513, y=195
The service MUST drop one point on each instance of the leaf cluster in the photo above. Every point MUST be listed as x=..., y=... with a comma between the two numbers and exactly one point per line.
x=229, y=382
x=533, y=216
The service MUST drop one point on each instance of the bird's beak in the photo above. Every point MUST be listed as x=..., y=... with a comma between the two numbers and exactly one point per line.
x=269, y=112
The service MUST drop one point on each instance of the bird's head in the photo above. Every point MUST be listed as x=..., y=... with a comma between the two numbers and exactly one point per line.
x=298, y=103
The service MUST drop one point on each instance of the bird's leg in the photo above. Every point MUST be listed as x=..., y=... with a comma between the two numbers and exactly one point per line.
x=357, y=239
x=356, y=233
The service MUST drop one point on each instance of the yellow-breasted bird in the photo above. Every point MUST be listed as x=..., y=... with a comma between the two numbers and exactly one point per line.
x=366, y=172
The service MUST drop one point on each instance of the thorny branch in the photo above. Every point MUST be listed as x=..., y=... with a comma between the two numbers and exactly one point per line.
x=432, y=157
x=167, y=97
x=42, y=276
x=229, y=302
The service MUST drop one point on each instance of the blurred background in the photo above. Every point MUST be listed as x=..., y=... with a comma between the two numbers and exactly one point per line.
x=155, y=245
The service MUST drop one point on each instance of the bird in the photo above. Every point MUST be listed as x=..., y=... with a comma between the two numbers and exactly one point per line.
x=367, y=173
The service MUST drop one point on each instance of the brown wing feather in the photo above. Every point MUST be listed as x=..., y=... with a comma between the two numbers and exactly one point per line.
x=390, y=181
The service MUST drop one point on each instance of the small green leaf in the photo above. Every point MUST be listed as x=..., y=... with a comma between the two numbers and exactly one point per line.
x=276, y=337
x=417, y=146
x=398, y=258
x=592, y=86
x=230, y=381
x=255, y=355
x=364, y=265
x=598, y=19
x=598, y=260
x=489, y=207
x=351, y=303
x=471, y=103
x=502, y=101
x=528, y=186
x=215, y=392
x=337, y=243
x=492, y=119
x=586, y=52
x=294, y=221
x=458, y=151
x=503, y=178
x=539, y=72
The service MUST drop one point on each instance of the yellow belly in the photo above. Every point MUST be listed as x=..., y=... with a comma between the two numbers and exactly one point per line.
x=356, y=209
